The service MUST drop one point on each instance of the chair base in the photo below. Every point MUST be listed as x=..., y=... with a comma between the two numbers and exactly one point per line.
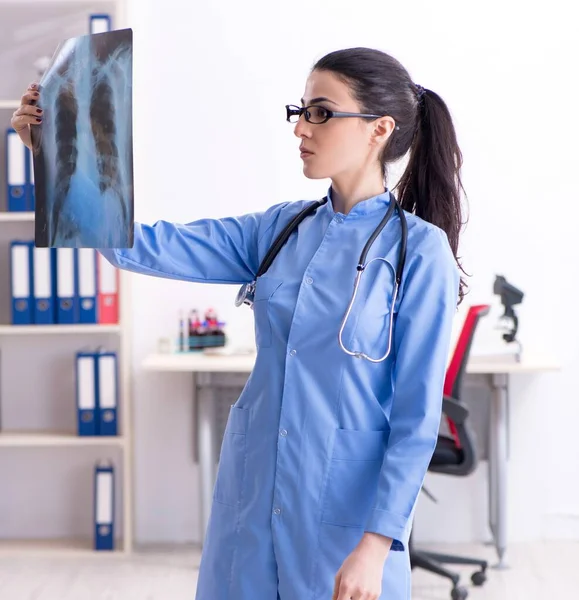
x=433, y=562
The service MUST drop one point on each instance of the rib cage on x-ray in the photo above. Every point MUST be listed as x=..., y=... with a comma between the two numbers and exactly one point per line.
x=86, y=146
x=102, y=114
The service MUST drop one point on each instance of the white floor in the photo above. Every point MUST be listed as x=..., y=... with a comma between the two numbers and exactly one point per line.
x=537, y=571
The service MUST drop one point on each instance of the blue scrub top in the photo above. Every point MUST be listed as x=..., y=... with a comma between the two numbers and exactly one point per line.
x=320, y=446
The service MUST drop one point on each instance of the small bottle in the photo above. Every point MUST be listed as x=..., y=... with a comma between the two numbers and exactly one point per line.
x=211, y=322
x=182, y=332
x=195, y=331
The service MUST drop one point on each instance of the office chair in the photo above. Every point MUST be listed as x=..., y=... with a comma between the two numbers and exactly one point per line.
x=455, y=454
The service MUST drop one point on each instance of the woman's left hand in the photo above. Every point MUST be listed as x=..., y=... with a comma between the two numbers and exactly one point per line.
x=360, y=576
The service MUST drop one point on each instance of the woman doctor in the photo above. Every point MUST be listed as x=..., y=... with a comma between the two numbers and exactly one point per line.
x=324, y=453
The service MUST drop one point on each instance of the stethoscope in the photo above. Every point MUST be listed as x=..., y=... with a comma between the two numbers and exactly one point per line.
x=247, y=291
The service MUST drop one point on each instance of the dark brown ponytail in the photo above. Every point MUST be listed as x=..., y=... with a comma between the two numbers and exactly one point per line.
x=430, y=186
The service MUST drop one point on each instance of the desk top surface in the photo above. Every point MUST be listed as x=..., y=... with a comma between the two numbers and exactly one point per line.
x=199, y=362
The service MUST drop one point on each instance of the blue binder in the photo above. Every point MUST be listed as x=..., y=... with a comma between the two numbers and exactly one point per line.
x=16, y=172
x=86, y=393
x=104, y=507
x=107, y=393
x=86, y=285
x=21, y=280
x=66, y=295
x=31, y=200
x=44, y=270
x=99, y=23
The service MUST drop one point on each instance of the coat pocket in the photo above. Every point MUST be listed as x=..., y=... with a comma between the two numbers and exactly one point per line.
x=231, y=472
x=265, y=287
x=353, y=476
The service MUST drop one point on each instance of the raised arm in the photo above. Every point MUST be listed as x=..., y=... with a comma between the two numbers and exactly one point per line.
x=207, y=251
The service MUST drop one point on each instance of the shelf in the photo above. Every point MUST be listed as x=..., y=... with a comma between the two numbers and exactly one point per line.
x=201, y=362
x=57, y=329
x=57, y=548
x=16, y=216
x=9, y=104
x=31, y=439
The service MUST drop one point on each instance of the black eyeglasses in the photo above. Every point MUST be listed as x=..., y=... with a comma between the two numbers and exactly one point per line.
x=319, y=114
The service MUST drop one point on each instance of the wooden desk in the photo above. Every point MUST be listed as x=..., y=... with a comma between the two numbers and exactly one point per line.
x=496, y=370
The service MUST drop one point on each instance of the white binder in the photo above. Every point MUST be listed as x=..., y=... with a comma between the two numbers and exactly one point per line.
x=21, y=282
x=16, y=172
x=100, y=23
x=66, y=300
x=86, y=393
x=43, y=259
x=108, y=393
x=104, y=507
x=86, y=258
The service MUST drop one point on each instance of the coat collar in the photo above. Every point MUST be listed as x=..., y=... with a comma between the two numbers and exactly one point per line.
x=364, y=207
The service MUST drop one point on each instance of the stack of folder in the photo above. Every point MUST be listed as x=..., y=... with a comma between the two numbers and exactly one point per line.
x=97, y=393
x=53, y=286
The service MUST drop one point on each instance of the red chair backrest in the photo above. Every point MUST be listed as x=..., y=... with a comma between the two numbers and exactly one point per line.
x=456, y=368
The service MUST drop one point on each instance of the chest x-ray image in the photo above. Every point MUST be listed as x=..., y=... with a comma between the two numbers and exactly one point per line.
x=83, y=149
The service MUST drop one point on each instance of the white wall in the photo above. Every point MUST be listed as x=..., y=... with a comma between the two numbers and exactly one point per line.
x=211, y=80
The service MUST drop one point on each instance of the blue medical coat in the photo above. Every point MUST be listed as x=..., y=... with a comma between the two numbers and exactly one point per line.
x=320, y=446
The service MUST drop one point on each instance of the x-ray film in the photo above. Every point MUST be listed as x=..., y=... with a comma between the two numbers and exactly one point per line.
x=83, y=149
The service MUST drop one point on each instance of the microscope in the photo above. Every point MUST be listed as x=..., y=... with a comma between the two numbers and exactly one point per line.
x=510, y=296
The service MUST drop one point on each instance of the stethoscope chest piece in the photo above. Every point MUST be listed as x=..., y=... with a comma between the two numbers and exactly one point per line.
x=246, y=294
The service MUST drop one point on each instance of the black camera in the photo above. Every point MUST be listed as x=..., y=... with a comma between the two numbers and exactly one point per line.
x=510, y=296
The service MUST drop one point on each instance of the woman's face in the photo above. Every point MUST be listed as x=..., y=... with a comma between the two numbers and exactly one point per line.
x=340, y=146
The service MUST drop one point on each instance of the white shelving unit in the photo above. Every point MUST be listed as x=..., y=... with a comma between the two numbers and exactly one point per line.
x=16, y=217
x=54, y=548
x=18, y=330
x=52, y=438
x=44, y=441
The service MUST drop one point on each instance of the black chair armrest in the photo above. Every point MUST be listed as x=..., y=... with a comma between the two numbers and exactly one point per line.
x=455, y=411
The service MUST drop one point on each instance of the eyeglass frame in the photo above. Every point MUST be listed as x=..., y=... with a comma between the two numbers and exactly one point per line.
x=331, y=114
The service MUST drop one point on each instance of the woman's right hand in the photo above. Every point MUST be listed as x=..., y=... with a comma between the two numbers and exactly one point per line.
x=27, y=114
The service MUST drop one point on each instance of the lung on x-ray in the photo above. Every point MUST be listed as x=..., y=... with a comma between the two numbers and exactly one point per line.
x=83, y=149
